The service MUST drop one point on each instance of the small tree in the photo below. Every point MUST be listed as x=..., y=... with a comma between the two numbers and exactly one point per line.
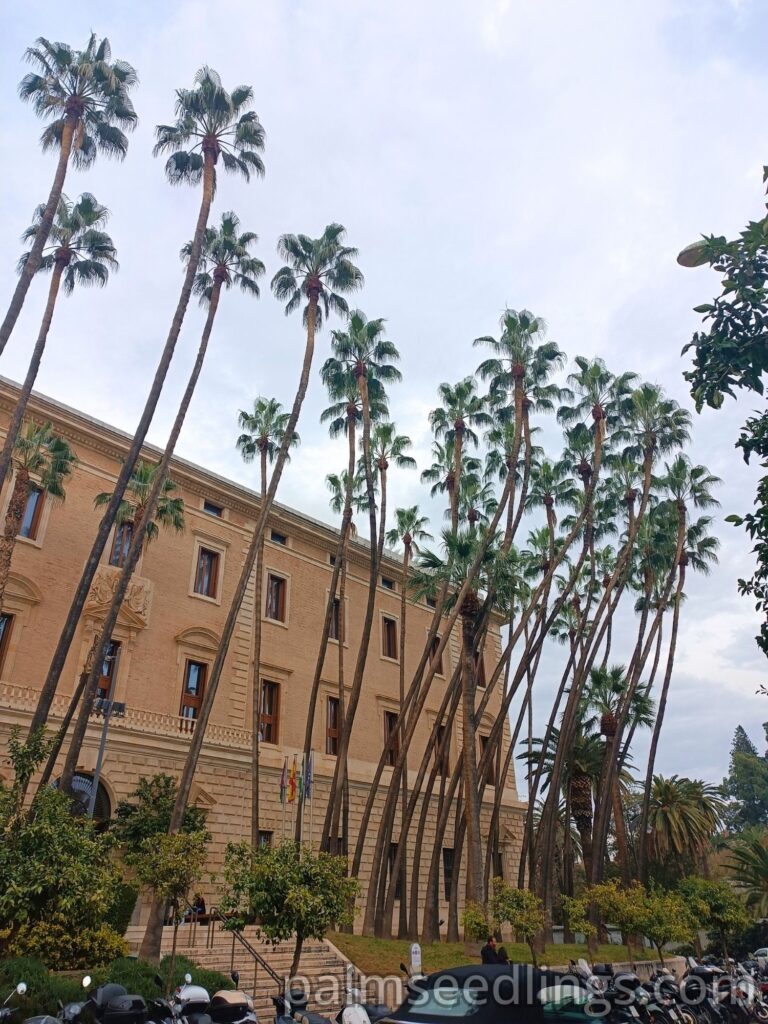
x=521, y=909
x=717, y=907
x=622, y=907
x=289, y=889
x=666, y=917
x=170, y=865
x=147, y=812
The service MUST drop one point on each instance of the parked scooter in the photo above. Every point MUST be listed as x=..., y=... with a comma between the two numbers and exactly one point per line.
x=225, y=1006
x=5, y=1010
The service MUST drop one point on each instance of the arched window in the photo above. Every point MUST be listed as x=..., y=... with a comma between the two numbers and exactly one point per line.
x=82, y=788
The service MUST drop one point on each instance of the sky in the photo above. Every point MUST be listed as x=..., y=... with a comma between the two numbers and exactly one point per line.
x=481, y=154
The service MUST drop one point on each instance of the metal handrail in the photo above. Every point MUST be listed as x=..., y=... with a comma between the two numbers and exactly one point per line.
x=215, y=915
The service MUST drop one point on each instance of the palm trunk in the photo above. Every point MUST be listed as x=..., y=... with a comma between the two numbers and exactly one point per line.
x=41, y=237
x=342, y=695
x=470, y=777
x=48, y=690
x=13, y=520
x=402, y=925
x=34, y=365
x=642, y=844
x=256, y=711
x=333, y=811
x=457, y=440
x=620, y=826
x=140, y=526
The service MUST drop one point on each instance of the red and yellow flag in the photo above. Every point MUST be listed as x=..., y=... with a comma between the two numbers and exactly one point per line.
x=292, y=774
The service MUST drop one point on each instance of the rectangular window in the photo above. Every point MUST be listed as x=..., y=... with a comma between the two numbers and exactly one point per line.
x=331, y=559
x=390, y=867
x=213, y=509
x=6, y=625
x=435, y=659
x=444, y=760
x=206, y=576
x=447, y=871
x=490, y=770
x=121, y=543
x=498, y=864
x=265, y=838
x=108, y=671
x=32, y=512
x=276, y=588
x=270, y=710
x=389, y=637
x=391, y=729
x=387, y=583
x=332, y=726
x=431, y=602
x=335, y=632
x=278, y=538
x=195, y=673
x=480, y=670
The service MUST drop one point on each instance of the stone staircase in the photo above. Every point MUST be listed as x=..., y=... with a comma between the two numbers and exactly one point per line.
x=321, y=964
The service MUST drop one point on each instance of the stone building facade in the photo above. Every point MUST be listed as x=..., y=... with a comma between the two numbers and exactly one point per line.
x=169, y=629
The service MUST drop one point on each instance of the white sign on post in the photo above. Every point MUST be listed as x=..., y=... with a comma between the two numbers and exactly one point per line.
x=415, y=958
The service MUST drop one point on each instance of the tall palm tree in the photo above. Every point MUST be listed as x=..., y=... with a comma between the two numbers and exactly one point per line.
x=83, y=94
x=225, y=261
x=80, y=253
x=551, y=485
x=410, y=530
x=460, y=410
x=263, y=432
x=388, y=448
x=319, y=270
x=363, y=351
x=210, y=118
x=684, y=814
x=749, y=869
x=42, y=460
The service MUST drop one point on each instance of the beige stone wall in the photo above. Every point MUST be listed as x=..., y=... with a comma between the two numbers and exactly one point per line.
x=163, y=623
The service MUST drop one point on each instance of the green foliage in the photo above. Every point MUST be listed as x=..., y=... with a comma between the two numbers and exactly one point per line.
x=139, y=975
x=731, y=356
x=63, y=947
x=749, y=869
x=120, y=913
x=666, y=917
x=474, y=921
x=147, y=812
x=170, y=865
x=747, y=783
x=716, y=907
x=54, y=867
x=288, y=889
x=521, y=909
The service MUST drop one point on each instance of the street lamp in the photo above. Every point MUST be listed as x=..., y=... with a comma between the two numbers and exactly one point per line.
x=107, y=707
x=693, y=255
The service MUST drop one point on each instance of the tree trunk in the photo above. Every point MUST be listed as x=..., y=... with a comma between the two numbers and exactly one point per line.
x=140, y=527
x=256, y=712
x=297, y=956
x=34, y=365
x=333, y=811
x=342, y=694
x=470, y=777
x=13, y=520
x=620, y=826
x=402, y=926
x=201, y=724
x=41, y=236
x=48, y=690
x=643, y=842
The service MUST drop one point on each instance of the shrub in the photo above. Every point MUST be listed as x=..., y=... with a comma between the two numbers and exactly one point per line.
x=475, y=923
x=139, y=975
x=119, y=914
x=64, y=948
x=44, y=990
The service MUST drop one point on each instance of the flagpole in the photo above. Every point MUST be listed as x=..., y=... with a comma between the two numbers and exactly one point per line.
x=311, y=794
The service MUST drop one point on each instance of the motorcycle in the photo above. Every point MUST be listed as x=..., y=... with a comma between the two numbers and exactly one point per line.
x=5, y=1010
x=225, y=1006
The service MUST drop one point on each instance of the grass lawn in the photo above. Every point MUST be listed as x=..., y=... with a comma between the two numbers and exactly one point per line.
x=383, y=956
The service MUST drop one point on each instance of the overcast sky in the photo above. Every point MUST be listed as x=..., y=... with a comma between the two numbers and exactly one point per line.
x=482, y=154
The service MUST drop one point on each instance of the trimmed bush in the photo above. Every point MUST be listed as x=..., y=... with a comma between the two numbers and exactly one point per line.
x=66, y=948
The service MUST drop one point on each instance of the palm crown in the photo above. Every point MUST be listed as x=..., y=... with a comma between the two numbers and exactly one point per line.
x=40, y=452
x=77, y=243
x=410, y=528
x=460, y=410
x=210, y=120
x=517, y=352
x=226, y=259
x=169, y=511
x=263, y=430
x=321, y=267
x=85, y=87
x=390, y=448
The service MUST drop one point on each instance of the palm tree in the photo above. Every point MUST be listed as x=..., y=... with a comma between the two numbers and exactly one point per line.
x=551, y=485
x=684, y=814
x=208, y=117
x=749, y=869
x=83, y=94
x=388, y=448
x=224, y=262
x=263, y=432
x=42, y=461
x=362, y=351
x=410, y=530
x=134, y=507
x=318, y=270
x=461, y=410
x=81, y=253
